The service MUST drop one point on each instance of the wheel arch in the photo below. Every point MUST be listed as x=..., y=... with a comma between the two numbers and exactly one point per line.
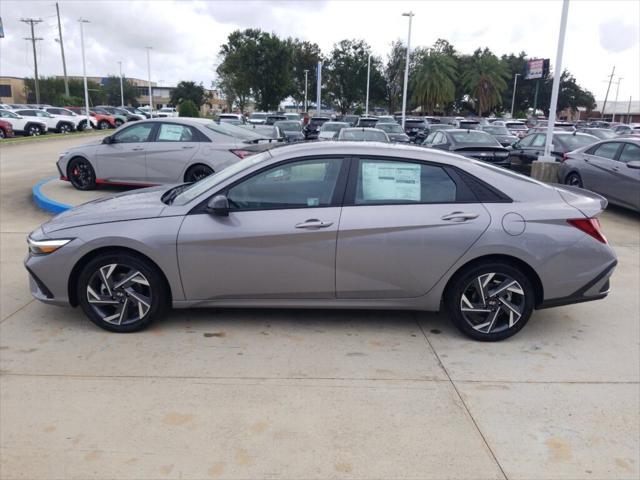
x=193, y=165
x=87, y=257
x=515, y=261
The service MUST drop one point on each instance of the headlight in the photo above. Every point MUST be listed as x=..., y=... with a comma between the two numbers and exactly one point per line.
x=45, y=247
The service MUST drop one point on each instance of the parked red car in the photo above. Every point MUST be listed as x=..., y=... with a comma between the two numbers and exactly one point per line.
x=101, y=121
x=5, y=129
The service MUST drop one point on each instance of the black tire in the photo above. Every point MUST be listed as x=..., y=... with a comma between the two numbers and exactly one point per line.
x=118, y=122
x=2, y=134
x=574, y=179
x=486, y=317
x=32, y=130
x=64, y=127
x=197, y=172
x=81, y=174
x=82, y=126
x=103, y=125
x=108, y=304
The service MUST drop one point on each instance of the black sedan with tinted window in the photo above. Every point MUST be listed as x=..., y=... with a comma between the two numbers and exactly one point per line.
x=416, y=129
x=502, y=134
x=469, y=143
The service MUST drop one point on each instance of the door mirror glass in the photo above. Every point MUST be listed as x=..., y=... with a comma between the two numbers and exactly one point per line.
x=219, y=205
x=633, y=164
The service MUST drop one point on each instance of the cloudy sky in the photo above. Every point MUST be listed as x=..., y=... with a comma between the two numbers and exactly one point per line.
x=186, y=36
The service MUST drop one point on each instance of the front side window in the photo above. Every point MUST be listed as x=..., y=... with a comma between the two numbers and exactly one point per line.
x=607, y=150
x=388, y=182
x=302, y=184
x=170, y=132
x=134, y=134
x=526, y=141
x=630, y=153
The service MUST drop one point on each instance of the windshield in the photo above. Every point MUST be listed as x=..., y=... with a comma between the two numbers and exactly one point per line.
x=571, y=142
x=289, y=125
x=258, y=116
x=367, y=122
x=493, y=130
x=333, y=126
x=211, y=181
x=363, y=136
x=474, y=137
x=233, y=131
x=390, y=127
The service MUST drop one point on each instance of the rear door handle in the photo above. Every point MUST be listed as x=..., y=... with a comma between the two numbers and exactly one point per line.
x=460, y=216
x=314, y=223
x=186, y=147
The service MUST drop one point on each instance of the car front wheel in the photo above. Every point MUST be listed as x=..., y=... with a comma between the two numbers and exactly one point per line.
x=33, y=130
x=81, y=174
x=490, y=301
x=121, y=292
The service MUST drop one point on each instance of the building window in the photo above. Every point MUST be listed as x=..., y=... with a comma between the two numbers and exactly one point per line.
x=5, y=90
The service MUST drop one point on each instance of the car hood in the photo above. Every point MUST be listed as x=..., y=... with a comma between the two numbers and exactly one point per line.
x=133, y=205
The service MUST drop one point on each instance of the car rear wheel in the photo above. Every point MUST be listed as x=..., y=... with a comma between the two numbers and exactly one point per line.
x=574, y=180
x=490, y=301
x=33, y=130
x=121, y=292
x=64, y=128
x=2, y=135
x=81, y=174
x=103, y=124
x=197, y=172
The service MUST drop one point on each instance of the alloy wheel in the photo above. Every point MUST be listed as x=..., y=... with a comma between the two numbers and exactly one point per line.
x=34, y=131
x=119, y=294
x=65, y=128
x=574, y=180
x=81, y=175
x=197, y=173
x=492, y=303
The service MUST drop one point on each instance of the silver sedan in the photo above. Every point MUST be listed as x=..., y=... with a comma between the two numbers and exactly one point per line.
x=157, y=151
x=331, y=225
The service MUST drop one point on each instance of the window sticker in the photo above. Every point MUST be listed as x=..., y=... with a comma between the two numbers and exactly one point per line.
x=390, y=181
x=170, y=133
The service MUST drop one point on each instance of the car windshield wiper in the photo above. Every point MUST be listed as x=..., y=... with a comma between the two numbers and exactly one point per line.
x=171, y=194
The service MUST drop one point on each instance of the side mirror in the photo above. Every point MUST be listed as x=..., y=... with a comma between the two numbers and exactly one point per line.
x=633, y=164
x=219, y=205
x=107, y=140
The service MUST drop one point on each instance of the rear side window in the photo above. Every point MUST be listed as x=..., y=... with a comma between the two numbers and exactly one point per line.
x=607, y=150
x=170, y=132
x=388, y=182
x=630, y=153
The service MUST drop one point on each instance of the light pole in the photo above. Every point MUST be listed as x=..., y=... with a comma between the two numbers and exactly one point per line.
x=306, y=83
x=406, y=68
x=613, y=119
x=513, y=98
x=84, y=72
x=366, y=105
x=149, y=78
x=319, y=92
x=121, y=88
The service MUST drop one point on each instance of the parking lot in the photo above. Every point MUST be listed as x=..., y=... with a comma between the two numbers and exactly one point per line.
x=311, y=394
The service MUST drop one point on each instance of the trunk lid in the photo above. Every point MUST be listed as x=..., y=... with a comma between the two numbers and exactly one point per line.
x=590, y=204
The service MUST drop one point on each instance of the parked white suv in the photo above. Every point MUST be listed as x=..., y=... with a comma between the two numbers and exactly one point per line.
x=167, y=112
x=23, y=126
x=56, y=123
x=80, y=121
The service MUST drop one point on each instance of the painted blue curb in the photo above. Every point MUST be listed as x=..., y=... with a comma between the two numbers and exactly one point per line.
x=45, y=202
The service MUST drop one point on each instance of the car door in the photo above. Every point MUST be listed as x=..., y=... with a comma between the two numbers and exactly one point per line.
x=124, y=159
x=600, y=165
x=628, y=191
x=403, y=225
x=173, y=147
x=278, y=241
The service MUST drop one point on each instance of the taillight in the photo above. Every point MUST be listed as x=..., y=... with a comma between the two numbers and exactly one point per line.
x=241, y=153
x=565, y=157
x=590, y=226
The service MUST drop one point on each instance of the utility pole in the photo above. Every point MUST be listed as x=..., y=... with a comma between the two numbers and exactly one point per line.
x=64, y=63
x=629, y=111
x=604, y=106
x=406, y=69
x=149, y=77
x=366, y=107
x=319, y=88
x=513, y=98
x=615, y=104
x=32, y=22
x=84, y=73
x=306, y=78
x=121, y=88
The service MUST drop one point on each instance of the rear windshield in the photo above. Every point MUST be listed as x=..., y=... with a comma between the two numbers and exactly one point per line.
x=474, y=137
x=289, y=125
x=572, y=142
x=367, y=122
x=364, y=136
x=390, y=127
x=258, y=116
x=415, y=124
x=496, y=130
x=333, y=126
x=516, y=126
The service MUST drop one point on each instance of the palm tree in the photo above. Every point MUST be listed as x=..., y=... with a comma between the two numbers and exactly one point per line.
x=433, y=84
x=485, y=78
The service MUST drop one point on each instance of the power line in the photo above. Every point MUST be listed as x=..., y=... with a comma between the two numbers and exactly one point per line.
x=32, y=22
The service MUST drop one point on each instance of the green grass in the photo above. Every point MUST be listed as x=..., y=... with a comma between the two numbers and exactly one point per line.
x=50, y=136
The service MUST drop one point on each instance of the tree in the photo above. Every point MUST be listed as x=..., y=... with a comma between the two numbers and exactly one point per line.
x=433, y=82
x=394, y=75
x=111, y=90
x=188, y=108
x=305, y=56
x=52, y=91
x=347, y=73
x=189, y=91
x=485, y=79
x=570, y=94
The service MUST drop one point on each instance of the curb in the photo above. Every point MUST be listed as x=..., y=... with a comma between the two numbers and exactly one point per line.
x=45, y=202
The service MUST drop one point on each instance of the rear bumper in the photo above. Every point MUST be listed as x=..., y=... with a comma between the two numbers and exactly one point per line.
x=595, y=289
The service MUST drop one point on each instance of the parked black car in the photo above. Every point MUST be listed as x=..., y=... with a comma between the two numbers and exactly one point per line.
x=470, y=143
x=502, y=134
x=312, y=128
x=529, y=148
x=394, y=132
x=416, y=129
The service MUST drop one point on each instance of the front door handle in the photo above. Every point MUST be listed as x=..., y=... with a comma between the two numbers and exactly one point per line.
x=186, y=147
x=314, y=223
x=460, y=216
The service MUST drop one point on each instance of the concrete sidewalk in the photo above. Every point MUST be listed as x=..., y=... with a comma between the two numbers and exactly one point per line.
x=292, y=394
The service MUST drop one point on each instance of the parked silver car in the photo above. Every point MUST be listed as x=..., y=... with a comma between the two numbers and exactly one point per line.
x=331, y=225
x=610, y=168
x=157, y=151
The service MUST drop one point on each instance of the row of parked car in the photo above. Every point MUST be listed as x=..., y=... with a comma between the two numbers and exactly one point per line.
x=34, y=120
